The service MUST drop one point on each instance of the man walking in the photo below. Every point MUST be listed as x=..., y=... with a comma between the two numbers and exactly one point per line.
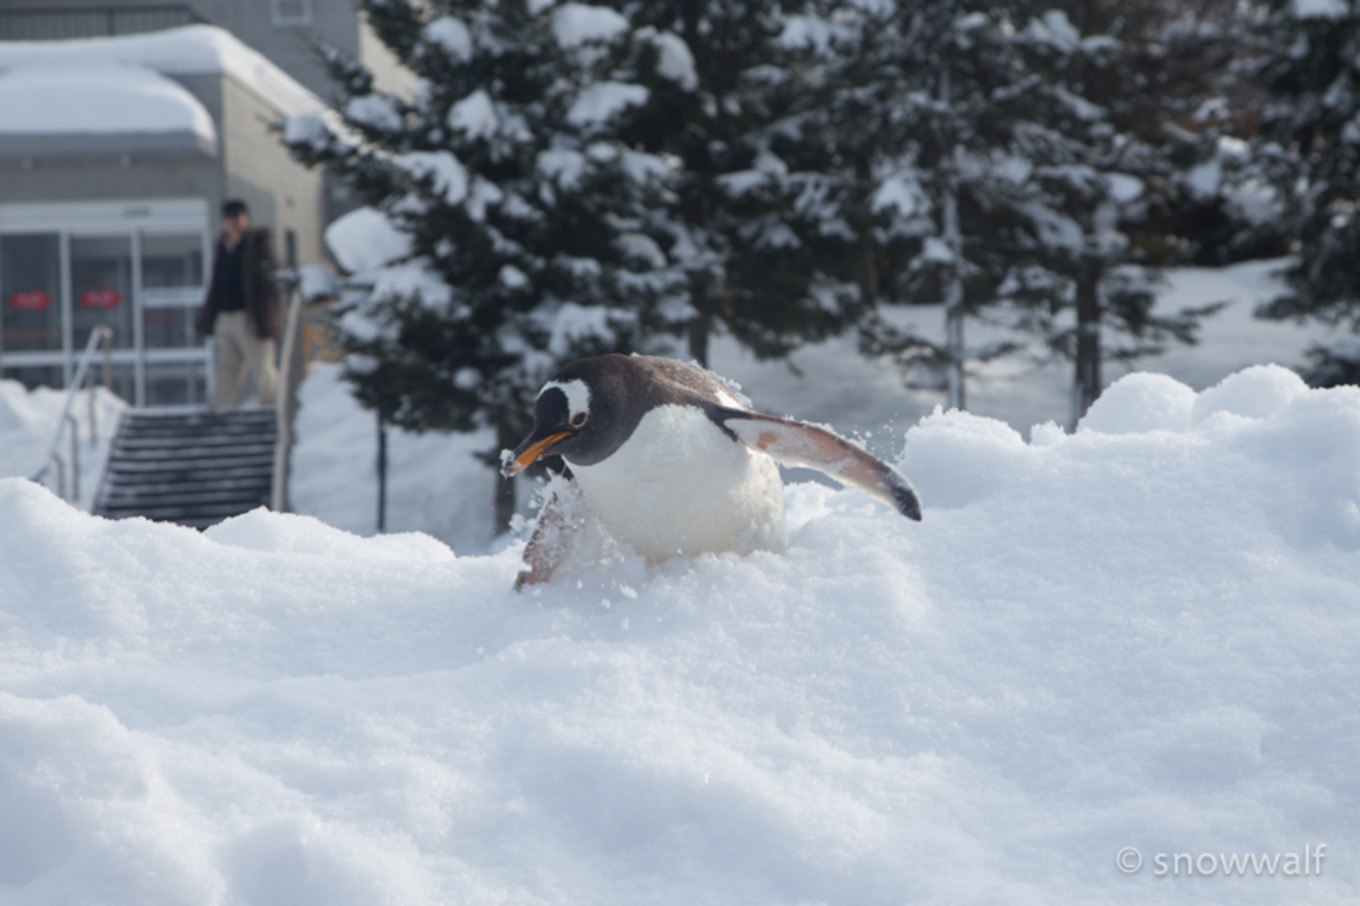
x=241, y=310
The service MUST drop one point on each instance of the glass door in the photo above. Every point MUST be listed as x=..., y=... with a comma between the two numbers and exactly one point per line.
x=31, y=319
x=172, y=290
x=137, y=267
x=101, y=293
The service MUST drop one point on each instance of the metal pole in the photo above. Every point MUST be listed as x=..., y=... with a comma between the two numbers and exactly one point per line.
x=382, y=475
x=106, y=337
x=89, y=398
x=75, y=458
x=283, y=407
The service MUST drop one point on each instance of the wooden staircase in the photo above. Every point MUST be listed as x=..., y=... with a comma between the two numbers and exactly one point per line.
x=194, y=468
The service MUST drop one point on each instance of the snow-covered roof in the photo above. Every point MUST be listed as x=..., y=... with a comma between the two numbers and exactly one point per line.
x=191, y=50
x=102, y=108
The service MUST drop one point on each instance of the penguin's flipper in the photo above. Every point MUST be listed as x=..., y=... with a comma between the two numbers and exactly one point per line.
x=794, y=443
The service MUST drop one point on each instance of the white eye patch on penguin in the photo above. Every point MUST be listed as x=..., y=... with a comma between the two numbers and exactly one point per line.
x=672, y=460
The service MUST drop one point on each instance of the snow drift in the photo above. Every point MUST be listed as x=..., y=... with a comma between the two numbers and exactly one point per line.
x=1146, y=634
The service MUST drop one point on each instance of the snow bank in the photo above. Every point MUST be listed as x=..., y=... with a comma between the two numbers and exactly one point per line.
x=29, y=420
x=866, y=399
x=1120, y=638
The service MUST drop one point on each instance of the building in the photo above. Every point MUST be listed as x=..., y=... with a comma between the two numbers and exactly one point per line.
x=115, y=156
x=284, y=31
x=123, y=126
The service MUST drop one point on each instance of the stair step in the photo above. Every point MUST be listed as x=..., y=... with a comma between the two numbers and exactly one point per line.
x=160, y=494
x=215, y=512
x=195, y=469
x=168, y=432
x=228, y=504
x=196, y=450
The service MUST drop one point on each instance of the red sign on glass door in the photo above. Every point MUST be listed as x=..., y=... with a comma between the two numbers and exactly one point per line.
x=33, y=300
x=106, y=298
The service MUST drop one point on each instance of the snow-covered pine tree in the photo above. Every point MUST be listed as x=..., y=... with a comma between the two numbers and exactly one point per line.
x=518, y=218
x=748, y=217
x=997, y=186
x=1122, y=82
x=1309, y=67
x=923, y=105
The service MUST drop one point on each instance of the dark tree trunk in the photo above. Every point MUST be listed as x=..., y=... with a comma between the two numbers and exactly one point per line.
x=699, y=329
x=1086, y=379
x=866, y=272
x=506, y=439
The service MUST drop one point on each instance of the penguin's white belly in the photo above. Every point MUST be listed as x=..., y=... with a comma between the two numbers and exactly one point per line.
x=680, y=485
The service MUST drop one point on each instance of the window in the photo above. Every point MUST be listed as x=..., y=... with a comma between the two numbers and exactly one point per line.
x=289, y=13
x=30, y=292
x=136, y=266
x=172, y=289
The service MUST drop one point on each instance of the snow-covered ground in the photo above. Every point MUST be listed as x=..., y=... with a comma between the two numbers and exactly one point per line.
x=1136, y=646
x=1146, y=635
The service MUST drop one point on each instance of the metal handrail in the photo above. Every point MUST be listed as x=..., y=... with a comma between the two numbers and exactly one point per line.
x=100, y=334
x=283, y=403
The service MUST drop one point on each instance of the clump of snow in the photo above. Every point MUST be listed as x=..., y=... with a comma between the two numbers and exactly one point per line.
x=452, y=34
x=376, y=111
x=675, y=61
x=570, y=323
x=1320, y=9
x=474, y=115
x=602, y=100
x=411, y=280
x=902, y=193
x=574, y=24
x=562, y=165
x=449, y=175
x=641, y=248
x=1256, y=392
x=484, y=192
x=307, y=128
x=1054, y=29
x=813, y=32
x=317, y=283
x=99, y=98
x=365, y=239
x=1124, y=188
x=512, y=277
x=1141, y=402
x=1145, y=639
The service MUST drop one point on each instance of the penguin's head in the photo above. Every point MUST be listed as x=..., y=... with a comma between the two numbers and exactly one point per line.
x=583, y=414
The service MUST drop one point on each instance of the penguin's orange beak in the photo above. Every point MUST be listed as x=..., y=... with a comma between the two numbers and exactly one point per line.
x=528, y=453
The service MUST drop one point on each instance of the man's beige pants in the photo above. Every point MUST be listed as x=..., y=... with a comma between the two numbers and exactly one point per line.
x=241, y=354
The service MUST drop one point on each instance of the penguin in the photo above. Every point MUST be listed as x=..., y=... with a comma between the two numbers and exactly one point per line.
x=673, y=461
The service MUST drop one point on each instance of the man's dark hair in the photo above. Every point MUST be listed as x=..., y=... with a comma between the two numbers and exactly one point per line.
x=234, y=208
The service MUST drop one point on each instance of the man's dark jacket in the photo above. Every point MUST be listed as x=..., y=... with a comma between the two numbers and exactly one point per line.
x=261, y=295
